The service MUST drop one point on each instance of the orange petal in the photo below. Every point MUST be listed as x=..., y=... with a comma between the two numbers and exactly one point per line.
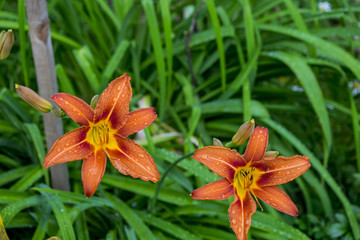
x=276, y=198
x=74, y=107
x=257, y=145
x=138, y=120
x=218, y=190
x=114, y=102
x=72, y=146
x=221, y=160
x=240, y=212
x=130, y=158
x=281, y=169
x=92, y=171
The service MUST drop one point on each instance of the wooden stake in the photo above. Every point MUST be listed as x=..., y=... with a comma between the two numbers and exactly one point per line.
x=39, y=30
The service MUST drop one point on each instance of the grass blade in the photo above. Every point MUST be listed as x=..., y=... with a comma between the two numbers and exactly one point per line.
x=61, y=214
x=148, y=6
x=22, y=40
x=308, y=80
x=114, y=62
x=219, y=41
x=12, y=209
x=166, y=17
x=333, y=51
x=131, y=217
x=315, y=162
x=37, y=140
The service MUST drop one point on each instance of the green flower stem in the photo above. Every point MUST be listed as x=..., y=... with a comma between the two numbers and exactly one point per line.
x=158, y=189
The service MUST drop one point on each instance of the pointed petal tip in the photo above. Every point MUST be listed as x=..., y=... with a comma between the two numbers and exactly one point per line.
x=74, y=107
x=218, y=190
x=278, y=199
x=92, y=171
x=70, y=147
x=89, y=192
x=257, y=145
x=45, y=166
x=295, y=213
x=220, y=160
x=88, y=195
x=155, y=179
x=138, y=120
x=130, y=158
x=47, y=162
x=146, y=179
x=113, y=103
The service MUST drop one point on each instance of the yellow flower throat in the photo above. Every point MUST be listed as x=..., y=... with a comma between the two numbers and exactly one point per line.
x=100, y=135
x=245, y=180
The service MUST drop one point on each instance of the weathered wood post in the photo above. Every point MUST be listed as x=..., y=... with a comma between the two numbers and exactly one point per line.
x=39, y=30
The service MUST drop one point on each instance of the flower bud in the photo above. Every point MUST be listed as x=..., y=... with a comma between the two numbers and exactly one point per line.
x=6, y=43
x=217, y=142
x=33, y=99
x=243, y=133
x=94, y=101
x=271, y=154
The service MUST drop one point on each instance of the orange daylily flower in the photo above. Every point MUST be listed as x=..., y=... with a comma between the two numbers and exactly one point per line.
x=103, y=132
x=250, y=173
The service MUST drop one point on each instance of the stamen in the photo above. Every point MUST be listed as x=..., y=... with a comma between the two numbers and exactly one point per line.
x=100, y=134
x=257, y=201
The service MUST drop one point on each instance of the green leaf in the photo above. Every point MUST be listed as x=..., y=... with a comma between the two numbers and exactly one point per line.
x=266, y=223
x=12, y=209
x=9, y=196
x=14, y=174
x=61, y=214
x=333, y=51
x=167, y=227
x=308, y=81
x=8, y=161
x=36, y=138
x=315, y=162
x=191, y=166
x=149, y=9
x=166, y=19
x=219, y=41
x=146, y=189
x=114, y=62
x=84, y=58
x=131, y=217
x=42, y=226
x=65, y=84
x=23, y=41
x=28, y=179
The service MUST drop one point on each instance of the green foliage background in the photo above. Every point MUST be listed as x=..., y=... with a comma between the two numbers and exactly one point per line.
x=207, y=66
